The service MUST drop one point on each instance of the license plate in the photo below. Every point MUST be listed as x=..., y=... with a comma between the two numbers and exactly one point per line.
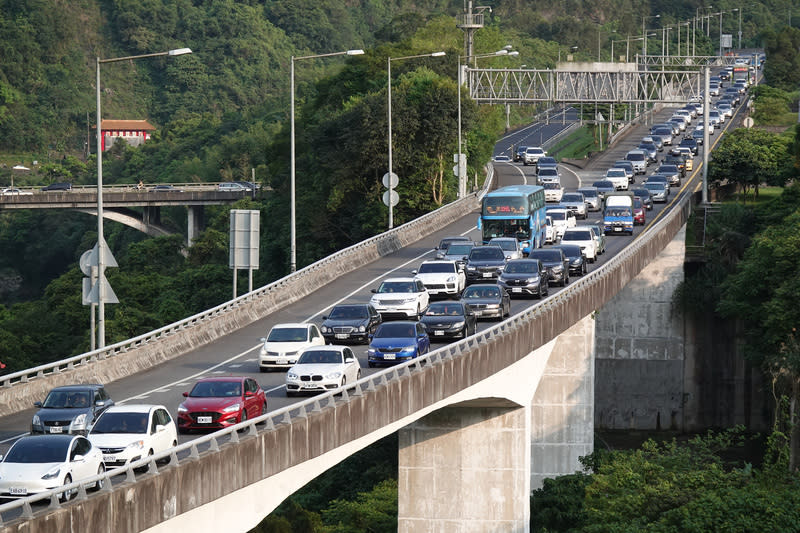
x=388, y=357
x=516, y=289
x=281, y=362
x=56, y=429
x=204, y=419
x=109, y=459
x=438, y=332
x=18, y=491
x=487, y=274
x=342, y=335
x=617, y=229
x=309, y=386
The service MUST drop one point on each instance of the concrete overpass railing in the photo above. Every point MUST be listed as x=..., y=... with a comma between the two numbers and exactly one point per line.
x=288, y=437
x=20, y=389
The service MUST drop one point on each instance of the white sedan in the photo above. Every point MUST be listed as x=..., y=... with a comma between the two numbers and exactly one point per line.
x=39, y=463
x=285, y=342
x=13, y=191
x=127, y=433
x=323, y=368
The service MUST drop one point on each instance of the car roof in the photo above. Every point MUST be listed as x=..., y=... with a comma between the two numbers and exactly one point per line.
x=437, y=262
x=133, y=408
x=493, y=239
x=92, y=386
x=221, y=379
x=401, y=279
x=291, y=325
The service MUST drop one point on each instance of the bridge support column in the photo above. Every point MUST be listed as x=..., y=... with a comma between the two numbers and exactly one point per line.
x=466, y=468
x=562, y=411
x=195, y=222
x=151, y=215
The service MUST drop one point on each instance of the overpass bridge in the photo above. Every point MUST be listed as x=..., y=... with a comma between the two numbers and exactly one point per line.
x=119, y=201
x=481, y=421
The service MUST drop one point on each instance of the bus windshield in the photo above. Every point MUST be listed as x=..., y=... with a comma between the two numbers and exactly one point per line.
x=519, y=228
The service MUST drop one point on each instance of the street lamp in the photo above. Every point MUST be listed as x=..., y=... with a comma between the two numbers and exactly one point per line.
x=101, y=243
x=293, y=228
x=644, y=35
x=389, y=90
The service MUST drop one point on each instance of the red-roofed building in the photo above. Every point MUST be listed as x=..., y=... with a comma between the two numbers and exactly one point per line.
x=135, y=132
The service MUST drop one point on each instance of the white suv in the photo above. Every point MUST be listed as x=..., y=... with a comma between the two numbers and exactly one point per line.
x=583, y=237
x=532, y=155
x=284, y=343
x=441, y=277
x=404, y=297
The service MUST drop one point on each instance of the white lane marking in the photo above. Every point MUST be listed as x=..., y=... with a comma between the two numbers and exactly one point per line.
x=580, y=182
x=524, y=177
x=15, y=437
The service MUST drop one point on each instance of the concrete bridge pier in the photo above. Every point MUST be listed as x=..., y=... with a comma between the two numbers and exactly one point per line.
x=195, y=222
x=471, y=466
x=151, y=215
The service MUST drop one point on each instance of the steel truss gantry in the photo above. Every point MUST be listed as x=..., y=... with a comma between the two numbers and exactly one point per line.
x=502, y=86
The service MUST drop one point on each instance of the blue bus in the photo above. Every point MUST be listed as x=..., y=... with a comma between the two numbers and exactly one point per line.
x=515, y=211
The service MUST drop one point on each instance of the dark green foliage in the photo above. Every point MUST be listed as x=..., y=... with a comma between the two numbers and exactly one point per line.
x=782, y=69
x=558, y=505
x=751, y=157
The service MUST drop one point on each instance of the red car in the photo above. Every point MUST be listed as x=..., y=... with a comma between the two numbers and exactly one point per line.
x=638, y=212
x=220, y=402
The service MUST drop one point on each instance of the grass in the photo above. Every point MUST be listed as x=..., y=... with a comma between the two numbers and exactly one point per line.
x=577, y=145
x=765, y=194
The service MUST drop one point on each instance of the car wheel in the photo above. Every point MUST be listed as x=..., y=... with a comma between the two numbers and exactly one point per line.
x=344, y=382
x=100, y=471
x=66, y=495
x=289, y=394
x=358, y=374
x=263, y=370
x=243, y=418
x=264, y=408
x=565, y=280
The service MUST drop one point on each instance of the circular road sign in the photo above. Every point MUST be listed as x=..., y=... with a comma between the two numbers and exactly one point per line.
x=395, y=198
x=748, y=122
x=387, y=183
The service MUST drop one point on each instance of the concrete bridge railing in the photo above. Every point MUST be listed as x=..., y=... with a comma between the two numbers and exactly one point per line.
x=20, y=389
x=286, y=438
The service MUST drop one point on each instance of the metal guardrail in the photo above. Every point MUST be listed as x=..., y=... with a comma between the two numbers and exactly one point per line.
x=601, y=279
x=8, y=381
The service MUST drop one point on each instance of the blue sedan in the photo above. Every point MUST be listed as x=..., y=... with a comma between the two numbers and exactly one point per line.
x=396, y=342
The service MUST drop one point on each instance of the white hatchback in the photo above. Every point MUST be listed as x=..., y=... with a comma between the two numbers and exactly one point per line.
x=285, y=342
x=127, y=433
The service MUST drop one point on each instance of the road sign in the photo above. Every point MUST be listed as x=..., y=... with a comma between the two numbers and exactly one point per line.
x=89, y=259
x=748, y=122
x=395, y=198
x=93, y=297
x=387, y=183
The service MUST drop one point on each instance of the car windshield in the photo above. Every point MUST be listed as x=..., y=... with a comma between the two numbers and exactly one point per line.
x=546, y=255
x=396, y=286
x=614, y=212
x=582, y=235
x=444, y=243
x=394, y=329
x=557, y=215
x=38, y=450
x=603, y=185
x=522, y=267
x=548, y=161
x=635, y=157
x=320, y=357
x=644, y=193
x=437, y=268
x=341, y=312
x=475, y=292
x=121, y=423
x=487, y=253
x=216, y=389
x=459, y=249
x=616, y=173
x=667, y=169
x=551, y=185
x=67, y=399
x=445, y=309
x=505, y=244
x=548, y=171
x=572, y=197
x=654, y=186
x=571, y=250
x=587, y=193
x=288, y=335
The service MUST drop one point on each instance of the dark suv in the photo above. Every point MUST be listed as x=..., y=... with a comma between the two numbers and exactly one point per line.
x=62, y=186
x=556, y=263
x=485, y=263
x=519, y=153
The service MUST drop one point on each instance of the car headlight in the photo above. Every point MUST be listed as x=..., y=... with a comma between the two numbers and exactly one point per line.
x=470, y=267
x=362, y=328
x=458, y=324
x=408, y=349
x=576, y=261
x=450, y=279
x=182, y=409
x=533, y=279
x=79, y=422
x=137, y=445
x=324, y=329
x=559, y=268
x=291, y=376
x=334, y=375
x=52, y=473
x=232, y=408
x=36, y=421
x=371, y=351
x=493, y=306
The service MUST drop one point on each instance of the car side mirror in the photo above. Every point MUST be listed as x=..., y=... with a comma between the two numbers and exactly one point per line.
x=414, y=272
x=160, y=428
x=185, y=394
x=249, y=394
x=77, y=458
x=374, y=291
x=324, y=317
x=37, y=404
x=263, y=339
x=100, y=403
x=349, y=360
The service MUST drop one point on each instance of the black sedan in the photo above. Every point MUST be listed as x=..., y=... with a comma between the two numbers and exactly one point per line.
x=350, y=322
x=449, y=320
x=487, y=301
x=555, y=262
x=577, y=261
x=485, y=263
x=524, y=277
